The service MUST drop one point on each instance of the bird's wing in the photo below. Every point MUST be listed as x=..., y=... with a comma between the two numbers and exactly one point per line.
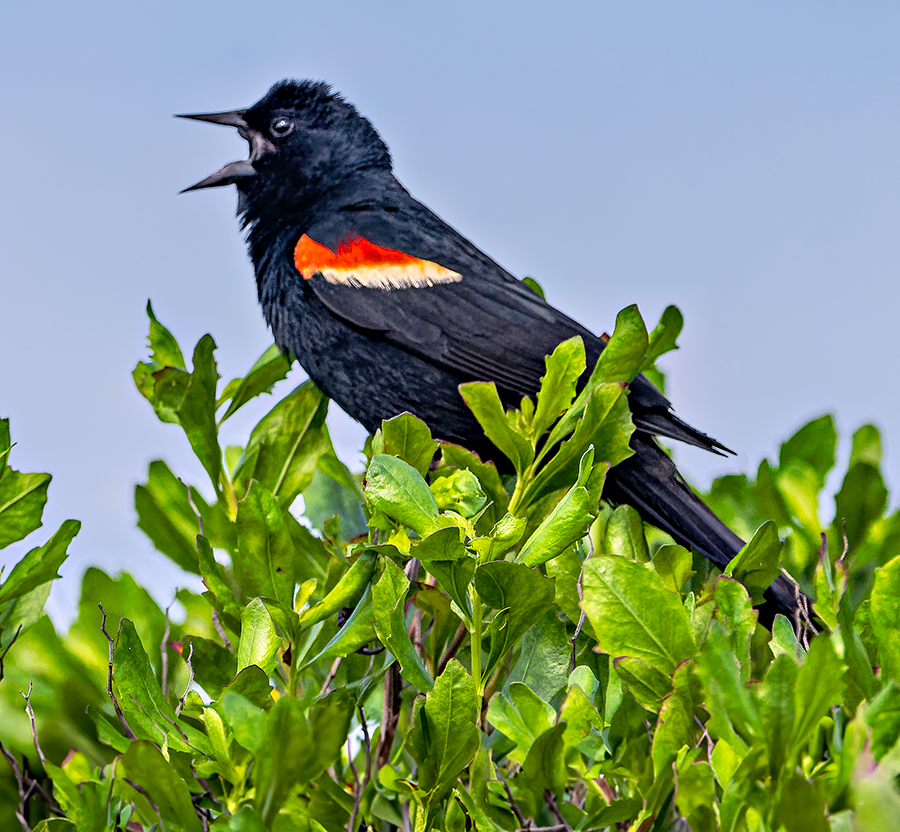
x=401, y=272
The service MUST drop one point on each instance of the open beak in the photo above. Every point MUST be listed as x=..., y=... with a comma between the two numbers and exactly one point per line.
x=234, y=171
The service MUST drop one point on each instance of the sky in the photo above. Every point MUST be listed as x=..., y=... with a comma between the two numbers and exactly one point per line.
x=740, y=160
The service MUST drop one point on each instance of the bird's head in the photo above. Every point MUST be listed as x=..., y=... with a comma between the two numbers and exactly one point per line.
x=305, y=141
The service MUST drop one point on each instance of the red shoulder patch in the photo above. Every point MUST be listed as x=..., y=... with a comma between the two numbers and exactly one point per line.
x=361, y=263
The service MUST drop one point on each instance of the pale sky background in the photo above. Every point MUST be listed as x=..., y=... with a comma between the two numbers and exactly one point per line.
x=741, y=160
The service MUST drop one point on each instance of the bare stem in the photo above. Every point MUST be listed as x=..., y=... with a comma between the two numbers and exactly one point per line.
x=190, y=682
x=30, y=711
x=221, y=631
x=109, y=678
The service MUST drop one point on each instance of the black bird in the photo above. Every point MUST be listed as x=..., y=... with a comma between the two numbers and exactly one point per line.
x=389, y=309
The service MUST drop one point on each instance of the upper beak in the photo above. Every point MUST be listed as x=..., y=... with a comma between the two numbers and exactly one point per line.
x=234, y=171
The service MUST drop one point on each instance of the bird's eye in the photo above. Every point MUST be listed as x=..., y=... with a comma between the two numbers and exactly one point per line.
x=281, y=126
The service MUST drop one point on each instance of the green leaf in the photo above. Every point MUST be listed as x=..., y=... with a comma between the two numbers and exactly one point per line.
x=164, y=349
x=348, y=590
x=800, y=809
x=633, y=614
x=40, y=565
x=544, y=769
x=624, y=535
x=214, y=665
x=358, y=631
x=727, y=699
x=389, y=597
x=866, y=446
x=445, y=737
x=289, y=758
x=758, y=563
x=408, y=438
x=22, y=499
x=82, y=798
x=270, y=368
x=485, y=404
x=820, y=685
x=460, y=492
x=673, y=565
x=197, y=410
x=664, y=335
x=284, y=448
x=260, y=639
x=171, y=517
x=814, y=444
x=776, y=704
x=147, y=711
x=601, y=419
x=246, y=719
x=453, y=456
x=648, y=685
x=675, y=727
x=147, y=767
x=521, y=715
x=265, y=565
x=569, y=520
x=329, y=722
x=861, y=681
x=543, y=662
x=395, y=488
x=518, y=589
x=454, y=577
x=861, y=500
x=626, y=352
x=784, y=640
x=736, y=612
x=725, y=761
x=443, y=544
x=334, y=492
x=558, y=386
x=535, y=287
x=885, y=617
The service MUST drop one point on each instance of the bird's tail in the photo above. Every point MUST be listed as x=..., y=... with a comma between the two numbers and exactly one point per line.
x=649, y=481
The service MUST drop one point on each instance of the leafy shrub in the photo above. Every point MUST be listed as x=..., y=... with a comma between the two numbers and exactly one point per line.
x=436, y=646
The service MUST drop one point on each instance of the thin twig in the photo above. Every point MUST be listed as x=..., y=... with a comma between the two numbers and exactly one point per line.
x=390, y=714
x=6, y=649
x=551, y=801
x=190, y=490
x=164, y=654
x=331, y=675
x=558, y=828
x=180, y=707
x=27, y=784
x=580, y=621
x=30, y=711
x=368, y=741
x=20, y=782
x=704, y=736
x=357, y=791
x=514, y=807
x=451, y=650
x=221, y=631
x=139, y=790
x=109, y=678
x=404, y=815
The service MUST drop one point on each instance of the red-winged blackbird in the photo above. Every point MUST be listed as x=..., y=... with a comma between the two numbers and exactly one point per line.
x=389, y=309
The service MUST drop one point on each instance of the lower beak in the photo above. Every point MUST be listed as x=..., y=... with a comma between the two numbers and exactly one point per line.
x=234, y=171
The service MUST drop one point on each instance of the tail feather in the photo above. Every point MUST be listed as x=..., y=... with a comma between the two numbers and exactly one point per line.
x=649, y=481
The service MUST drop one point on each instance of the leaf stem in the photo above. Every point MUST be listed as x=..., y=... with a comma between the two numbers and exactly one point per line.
x=476, y=642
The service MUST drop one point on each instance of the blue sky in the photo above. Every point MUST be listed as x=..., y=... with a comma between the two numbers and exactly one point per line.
x=739, y=160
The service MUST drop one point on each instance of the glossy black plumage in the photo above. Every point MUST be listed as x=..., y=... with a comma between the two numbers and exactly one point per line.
x=318, y=168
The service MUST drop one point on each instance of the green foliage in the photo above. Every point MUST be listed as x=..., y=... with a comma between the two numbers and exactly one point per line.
x=433, y=645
